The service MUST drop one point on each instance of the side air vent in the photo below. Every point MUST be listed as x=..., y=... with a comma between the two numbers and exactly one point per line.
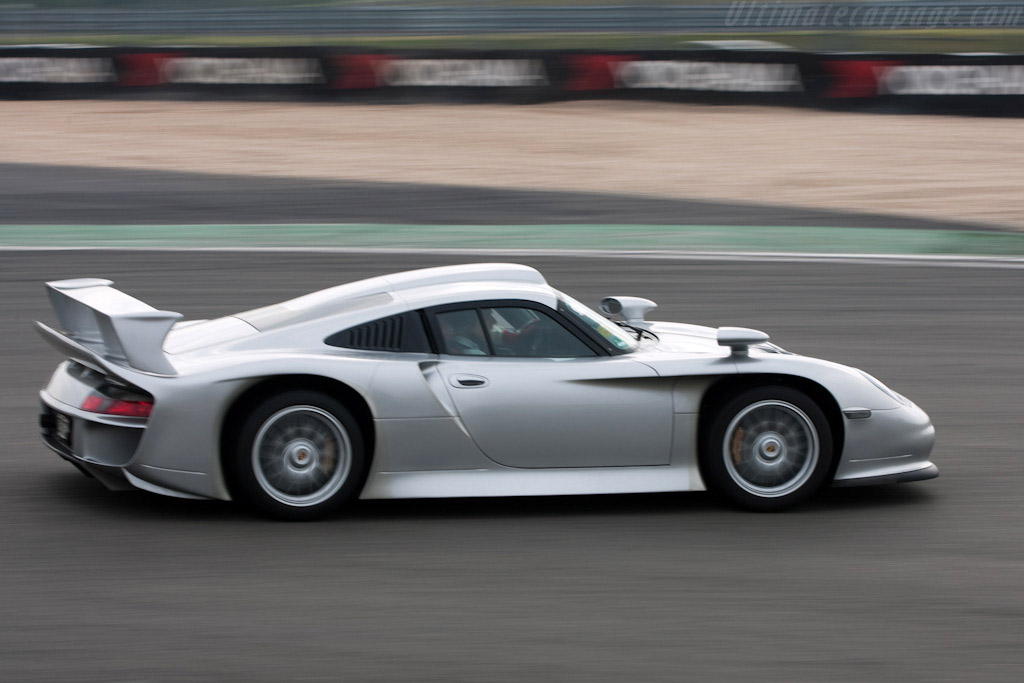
x=381, y=335
x=397, y=333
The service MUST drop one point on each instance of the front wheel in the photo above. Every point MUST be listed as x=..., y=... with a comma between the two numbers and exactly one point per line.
x=298, y=456
x=768, y=449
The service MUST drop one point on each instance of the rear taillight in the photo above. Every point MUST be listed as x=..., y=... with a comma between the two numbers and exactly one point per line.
x=122, y=406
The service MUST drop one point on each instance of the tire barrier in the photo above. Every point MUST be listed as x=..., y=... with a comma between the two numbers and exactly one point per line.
x=982, y=84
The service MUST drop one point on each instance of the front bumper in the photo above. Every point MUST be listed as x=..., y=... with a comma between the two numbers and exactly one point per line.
x=891, y=446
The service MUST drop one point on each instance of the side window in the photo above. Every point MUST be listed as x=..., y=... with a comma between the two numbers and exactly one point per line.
x=461, y=333
x=403, y=332
x=529, y=333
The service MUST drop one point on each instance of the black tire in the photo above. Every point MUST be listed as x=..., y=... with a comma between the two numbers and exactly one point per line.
x=767, y=449
x=299, y=455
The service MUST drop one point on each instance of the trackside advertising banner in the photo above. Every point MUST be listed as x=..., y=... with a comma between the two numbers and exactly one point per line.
x=571, y=74
x=983, y=82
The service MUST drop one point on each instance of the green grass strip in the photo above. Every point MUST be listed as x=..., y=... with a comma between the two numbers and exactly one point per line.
x=809, y=240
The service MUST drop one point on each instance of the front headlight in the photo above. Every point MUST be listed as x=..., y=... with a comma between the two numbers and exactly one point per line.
x=899, y=398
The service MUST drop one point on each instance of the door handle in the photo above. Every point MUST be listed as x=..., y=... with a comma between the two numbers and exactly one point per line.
x=468, y=381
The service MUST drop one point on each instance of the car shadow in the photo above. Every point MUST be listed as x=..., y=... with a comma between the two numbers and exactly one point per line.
x=535, y=506
x=864, y=497
x=74, y=489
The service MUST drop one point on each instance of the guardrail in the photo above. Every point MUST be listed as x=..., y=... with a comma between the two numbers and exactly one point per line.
x=744, y=15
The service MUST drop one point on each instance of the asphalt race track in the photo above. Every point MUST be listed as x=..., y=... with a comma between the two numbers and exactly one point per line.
x=913, y=582
x=32, y=194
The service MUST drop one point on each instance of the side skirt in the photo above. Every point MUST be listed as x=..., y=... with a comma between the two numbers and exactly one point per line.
x=486, y=483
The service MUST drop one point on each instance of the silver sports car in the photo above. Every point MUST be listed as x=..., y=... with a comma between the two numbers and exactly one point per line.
x=473, y=380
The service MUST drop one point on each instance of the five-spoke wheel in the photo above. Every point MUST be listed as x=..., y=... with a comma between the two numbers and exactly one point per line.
x=768, y=448
x=299, y=455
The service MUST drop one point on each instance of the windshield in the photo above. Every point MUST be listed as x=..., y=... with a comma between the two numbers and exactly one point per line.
x=616, y=336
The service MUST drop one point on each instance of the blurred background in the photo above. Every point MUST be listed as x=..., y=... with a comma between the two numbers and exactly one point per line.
x=842, y=175
x=879, y=25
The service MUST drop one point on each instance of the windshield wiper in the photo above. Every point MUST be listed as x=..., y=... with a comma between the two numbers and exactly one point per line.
x=639, y=331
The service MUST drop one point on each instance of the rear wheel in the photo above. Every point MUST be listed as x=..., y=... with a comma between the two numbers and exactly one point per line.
x=299, y=455
x=768, y=449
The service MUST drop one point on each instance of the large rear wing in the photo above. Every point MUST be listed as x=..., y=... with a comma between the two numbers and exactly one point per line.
x=99, y=320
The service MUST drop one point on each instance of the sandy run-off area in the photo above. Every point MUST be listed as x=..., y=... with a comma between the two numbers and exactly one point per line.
x=954, y=168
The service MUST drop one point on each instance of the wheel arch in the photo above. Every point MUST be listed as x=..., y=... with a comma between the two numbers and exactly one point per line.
x=724, y=389
x=267, y=386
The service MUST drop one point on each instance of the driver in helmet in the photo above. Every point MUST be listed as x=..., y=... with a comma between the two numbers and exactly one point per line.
x=462, y=335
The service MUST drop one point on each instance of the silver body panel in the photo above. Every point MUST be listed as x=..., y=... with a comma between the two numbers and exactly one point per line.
x=565, y=412
x=531, y=426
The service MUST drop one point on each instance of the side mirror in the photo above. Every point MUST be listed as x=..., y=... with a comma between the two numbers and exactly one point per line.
x=632, y=308
x=739, y=339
